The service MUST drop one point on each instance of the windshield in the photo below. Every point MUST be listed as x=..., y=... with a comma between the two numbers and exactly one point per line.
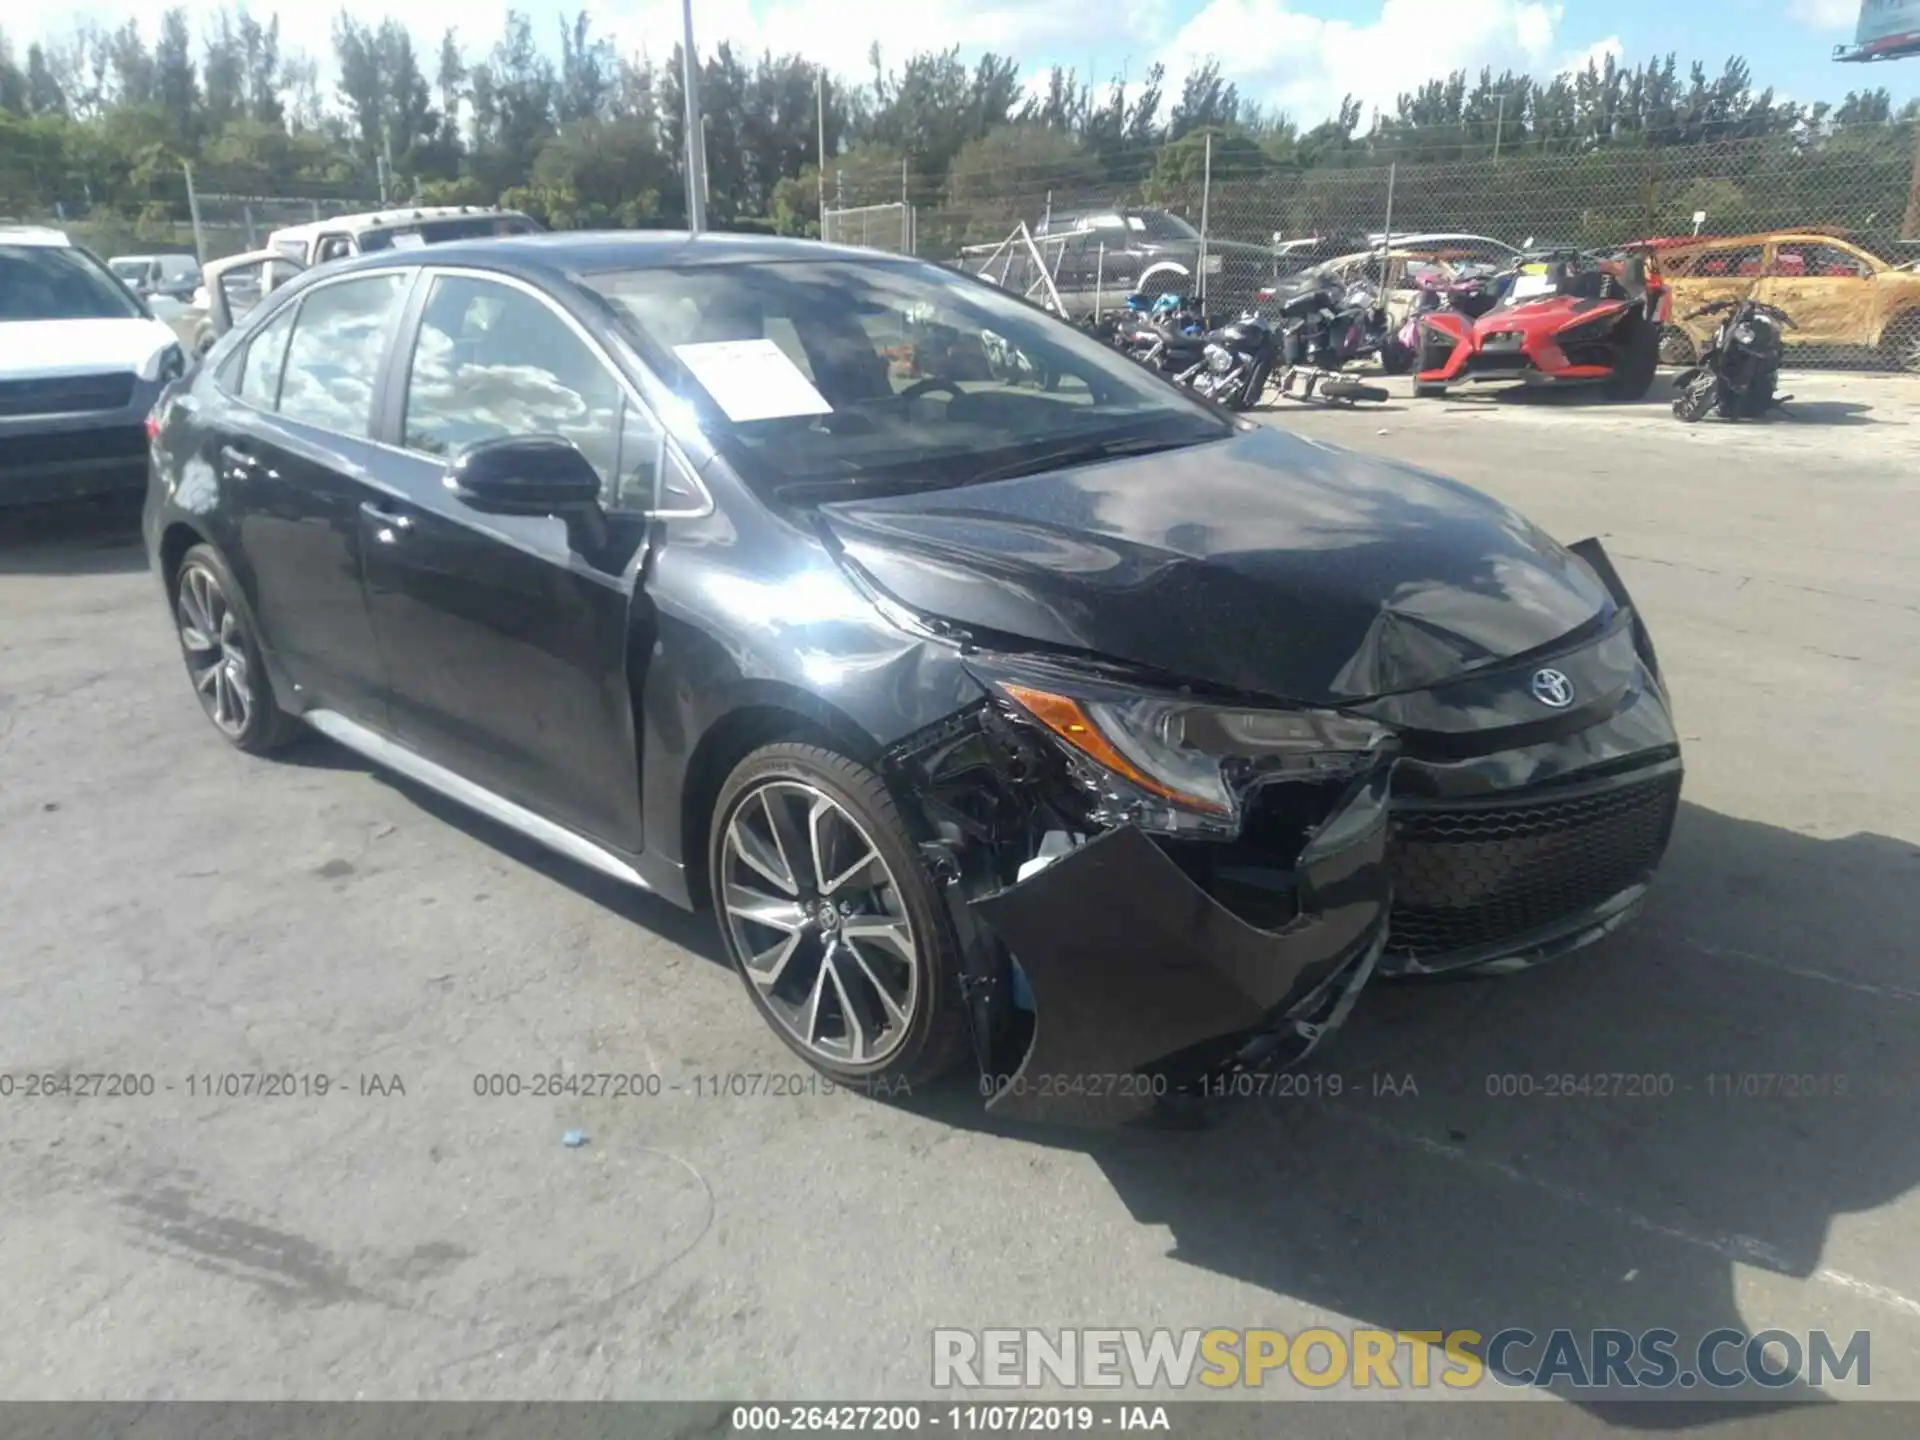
x=895, y=373
x=129, y=269
x=48, y=282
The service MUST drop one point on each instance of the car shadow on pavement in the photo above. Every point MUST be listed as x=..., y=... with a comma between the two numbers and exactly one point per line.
x=1486, y=1163
x=98, y=537
x=1826, y=412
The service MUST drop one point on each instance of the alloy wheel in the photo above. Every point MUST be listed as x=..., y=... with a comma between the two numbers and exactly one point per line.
x=819, y=924
x=215, y=650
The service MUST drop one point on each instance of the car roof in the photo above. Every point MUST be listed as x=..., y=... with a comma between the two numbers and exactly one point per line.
x=35, y=235
x=586, y=252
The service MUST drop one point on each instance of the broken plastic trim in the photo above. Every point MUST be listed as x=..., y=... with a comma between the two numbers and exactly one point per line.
x=1142, y=982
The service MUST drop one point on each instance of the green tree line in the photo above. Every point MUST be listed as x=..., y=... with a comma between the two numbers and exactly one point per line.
x=104, y=122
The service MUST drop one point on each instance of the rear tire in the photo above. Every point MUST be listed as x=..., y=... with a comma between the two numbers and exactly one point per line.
x=866, y=990
x=1632, y=378
x=1395, y=358
x=220, y=647
x=1901, y=343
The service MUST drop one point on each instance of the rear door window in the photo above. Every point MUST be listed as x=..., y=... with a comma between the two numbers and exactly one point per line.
x=262, y=362
x=333, y=361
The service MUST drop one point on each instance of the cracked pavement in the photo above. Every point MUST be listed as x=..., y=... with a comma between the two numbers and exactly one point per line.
x=175, y=910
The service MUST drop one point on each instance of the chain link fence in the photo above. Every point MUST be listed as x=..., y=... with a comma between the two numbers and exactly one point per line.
x=1828, y=231
x=220, y=213
x=878, y=227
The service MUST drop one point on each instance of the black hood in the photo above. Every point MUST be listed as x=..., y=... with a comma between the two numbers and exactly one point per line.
x=1264, y=564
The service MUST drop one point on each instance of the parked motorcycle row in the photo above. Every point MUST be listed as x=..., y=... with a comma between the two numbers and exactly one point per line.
x=1562, y=317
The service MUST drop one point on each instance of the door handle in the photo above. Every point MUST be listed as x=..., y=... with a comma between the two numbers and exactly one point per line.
x=391, y=524
x=239, y=462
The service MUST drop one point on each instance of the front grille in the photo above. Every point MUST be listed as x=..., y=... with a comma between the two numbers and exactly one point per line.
x=67, y=394
x=73, y=450
x=1470, y=878
x=1501, y=361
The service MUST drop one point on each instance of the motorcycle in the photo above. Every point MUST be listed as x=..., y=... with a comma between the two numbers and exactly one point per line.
x=1234, y=363
x=1164, y=334
x=1326, y=326
x=1736, y=375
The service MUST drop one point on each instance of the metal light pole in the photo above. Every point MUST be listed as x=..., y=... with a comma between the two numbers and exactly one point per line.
x=820, y=99
x=696, y=134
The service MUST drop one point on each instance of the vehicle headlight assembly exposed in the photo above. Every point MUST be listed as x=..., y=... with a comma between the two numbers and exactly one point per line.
x=1190, y=762
x=1219, y=359
x=170, y=364
x=1743, y=333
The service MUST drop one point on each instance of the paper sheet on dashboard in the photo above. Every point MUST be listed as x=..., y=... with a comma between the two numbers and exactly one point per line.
x=752, y=379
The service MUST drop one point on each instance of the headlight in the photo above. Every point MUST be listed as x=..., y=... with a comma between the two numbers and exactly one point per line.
x=1201, y=759
x=1743, y=332
x=170, y=365
x=1219, y=359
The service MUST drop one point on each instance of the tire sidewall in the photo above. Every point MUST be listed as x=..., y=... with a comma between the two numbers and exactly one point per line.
x=934, y=945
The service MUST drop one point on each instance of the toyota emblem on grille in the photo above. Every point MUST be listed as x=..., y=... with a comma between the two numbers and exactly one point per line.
x=1552, y=689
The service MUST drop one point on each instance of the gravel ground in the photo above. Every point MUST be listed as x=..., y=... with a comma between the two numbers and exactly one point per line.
x=176, y=910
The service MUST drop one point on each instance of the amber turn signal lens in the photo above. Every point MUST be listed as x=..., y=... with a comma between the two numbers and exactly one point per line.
x=1064, y=717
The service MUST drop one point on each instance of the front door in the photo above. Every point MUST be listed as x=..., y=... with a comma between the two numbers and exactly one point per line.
x=1827, y=292
x=508, y=639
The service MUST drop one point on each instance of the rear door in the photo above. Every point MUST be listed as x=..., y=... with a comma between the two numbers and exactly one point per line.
x=508, y=637
x=294, y=454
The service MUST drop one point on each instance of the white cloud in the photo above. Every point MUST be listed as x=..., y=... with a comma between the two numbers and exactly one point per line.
x=1305, y=64
x=1596, y=55
x=1825, y=14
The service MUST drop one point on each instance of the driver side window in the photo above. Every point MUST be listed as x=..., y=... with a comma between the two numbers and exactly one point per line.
x=491, y=361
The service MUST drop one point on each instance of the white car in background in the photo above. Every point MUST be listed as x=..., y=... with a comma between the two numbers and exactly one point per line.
x=82, y=361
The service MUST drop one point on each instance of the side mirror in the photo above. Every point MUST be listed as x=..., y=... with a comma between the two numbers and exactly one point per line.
x=524, y=475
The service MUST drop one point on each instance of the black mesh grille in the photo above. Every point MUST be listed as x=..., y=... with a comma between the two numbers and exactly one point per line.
x=67, y=394
x=1469, y=878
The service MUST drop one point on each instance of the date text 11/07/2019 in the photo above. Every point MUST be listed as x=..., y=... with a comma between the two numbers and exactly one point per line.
x=969, y=1419
x=198, y=1085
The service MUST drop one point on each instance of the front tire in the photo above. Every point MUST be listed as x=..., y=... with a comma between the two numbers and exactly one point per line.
x=1639, y=361
x=221, y=651
x=832, y=920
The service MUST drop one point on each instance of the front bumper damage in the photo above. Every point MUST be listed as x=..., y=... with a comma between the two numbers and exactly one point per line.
x=1104, y=980
x=1143, y=984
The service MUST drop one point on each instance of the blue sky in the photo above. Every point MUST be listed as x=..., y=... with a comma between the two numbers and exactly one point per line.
x=1296, y=55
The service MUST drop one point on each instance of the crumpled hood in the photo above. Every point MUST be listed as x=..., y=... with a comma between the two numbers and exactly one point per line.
x=31, y=349
x=1264, y=563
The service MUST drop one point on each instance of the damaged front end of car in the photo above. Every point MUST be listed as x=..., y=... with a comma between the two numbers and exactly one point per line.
x=1150, y=890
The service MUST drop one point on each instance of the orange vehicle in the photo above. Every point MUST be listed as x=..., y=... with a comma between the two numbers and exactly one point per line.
x=1840, y=296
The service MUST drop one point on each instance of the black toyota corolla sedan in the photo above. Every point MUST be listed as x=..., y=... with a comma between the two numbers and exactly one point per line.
x=1031, y=713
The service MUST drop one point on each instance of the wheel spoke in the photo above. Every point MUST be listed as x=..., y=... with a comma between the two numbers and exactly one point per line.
x=240, y=700
x=856, y=1032
x=827, y=868
x=811, y=1034
x=769, y=965
x=206, y=679
x=758, y=909
x=761, y=852
x=891, y=931
x=896, y=1011
x=787, y=838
